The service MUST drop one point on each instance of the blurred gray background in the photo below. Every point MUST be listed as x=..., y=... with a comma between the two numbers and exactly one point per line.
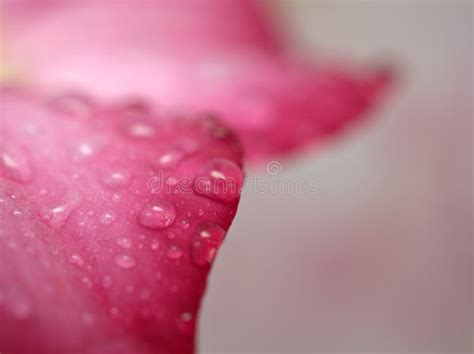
x=380, y=259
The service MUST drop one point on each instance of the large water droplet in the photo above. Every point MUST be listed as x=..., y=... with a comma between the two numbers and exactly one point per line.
x=15, y=165
x=205, y=243
x=124, y=261
x=157, y=214
x=219, y=179
x=58, y=215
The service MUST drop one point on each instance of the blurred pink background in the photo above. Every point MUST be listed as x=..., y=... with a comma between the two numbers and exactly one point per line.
x=380, y=259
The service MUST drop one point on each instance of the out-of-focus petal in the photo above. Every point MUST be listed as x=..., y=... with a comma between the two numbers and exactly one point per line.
x=215, y=56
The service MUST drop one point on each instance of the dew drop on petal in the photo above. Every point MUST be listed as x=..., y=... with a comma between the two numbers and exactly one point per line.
x=157, y=214
x=108, y=218
x=15, y=165
x=73, y=105
x=76, y=260
x=219, y=179
x=124, y=261
x=137, y=120
x=124, y=242
x=174, y=253
x=58, y=215
x=205, y=243
x=185, y=323
x=116, y=179
x=155, y=244
x=169, y=158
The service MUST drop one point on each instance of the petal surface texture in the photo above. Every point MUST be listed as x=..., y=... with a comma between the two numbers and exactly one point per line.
x=106, y=238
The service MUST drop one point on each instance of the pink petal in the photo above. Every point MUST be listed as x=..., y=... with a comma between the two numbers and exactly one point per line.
x=216, y=56
x=103, y=246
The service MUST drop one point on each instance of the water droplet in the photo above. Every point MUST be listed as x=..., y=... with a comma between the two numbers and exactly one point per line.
x=108, y=218
x=184, y=224
x=85, y=149
x=174, y=253
x=57, y=216
x=155, y=244
x=116, y=179
x=219, y=179
x=185, y=323
x=169, y=158
x=76, y=260
x=205, y=243
x=124, y=261
x=17, y=213
x=73, y=105
x=186, y=316
x=141, y=130
x=158, y=214
x=124, y=242
x=15, y=165
x=87, y=282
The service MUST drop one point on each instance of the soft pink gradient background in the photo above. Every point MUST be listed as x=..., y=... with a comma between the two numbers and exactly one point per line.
x=380, y=260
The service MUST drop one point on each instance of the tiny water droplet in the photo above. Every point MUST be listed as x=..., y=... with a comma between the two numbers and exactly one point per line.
x=155, y=244
x=76, y=260
x=174, y=253
x=108, y=218
x=184, y=224
x=124, y=261
x=73, y=105
x=124, y=242
x=219, y=179
x=116, y=179
x=15, y=165
x=158, y=214
x=185, y=323
x=85, y=149
x=168, y=158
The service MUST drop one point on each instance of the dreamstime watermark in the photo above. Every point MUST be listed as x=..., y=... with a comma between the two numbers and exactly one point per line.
x=217, y=182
